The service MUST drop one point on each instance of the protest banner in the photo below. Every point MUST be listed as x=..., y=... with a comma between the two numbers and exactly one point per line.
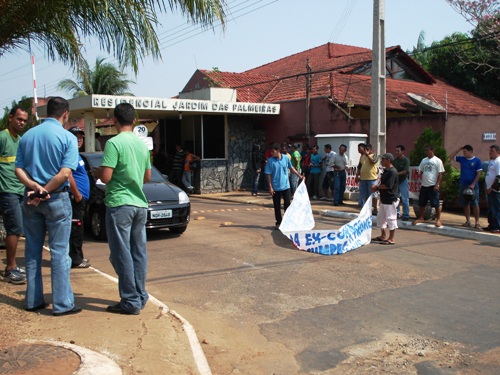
x=298, y=226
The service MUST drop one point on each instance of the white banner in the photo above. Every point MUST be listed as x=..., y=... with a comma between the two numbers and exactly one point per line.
x=298, y=224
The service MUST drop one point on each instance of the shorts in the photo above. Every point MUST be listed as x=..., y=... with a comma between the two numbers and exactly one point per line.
x=464, y=202
x=10, y=206
x=387, y=216
x=328, y=180
x=427, y=193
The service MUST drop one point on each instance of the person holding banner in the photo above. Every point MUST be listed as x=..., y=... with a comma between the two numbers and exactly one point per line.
x=276, y=171
x=389, y=200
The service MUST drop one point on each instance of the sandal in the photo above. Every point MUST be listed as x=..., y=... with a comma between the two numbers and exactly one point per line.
x=478, y=227
x=387, y=242
x=466, y=224
x=379, y=239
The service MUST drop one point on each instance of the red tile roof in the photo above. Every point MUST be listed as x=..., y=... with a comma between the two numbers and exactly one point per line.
x=332, y=66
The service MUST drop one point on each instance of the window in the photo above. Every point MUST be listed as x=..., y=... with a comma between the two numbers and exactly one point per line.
x=211, y=130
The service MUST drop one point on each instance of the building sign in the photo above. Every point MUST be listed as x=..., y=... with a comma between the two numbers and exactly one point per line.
x=490, y=136
x=185, y=105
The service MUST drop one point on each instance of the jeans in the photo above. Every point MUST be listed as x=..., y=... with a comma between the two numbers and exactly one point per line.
x=76, y=236
x=404, y=193
x=365, y=189
x=494, y=210
x=54, y=216
x=126, y=229
x=255, y=185
x=294, y=182
x=339, y=182
x=186, y=179
x=277, y=203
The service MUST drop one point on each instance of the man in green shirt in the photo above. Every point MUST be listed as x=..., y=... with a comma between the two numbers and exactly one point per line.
x=294, y=179
x=125, y=167
x=11, y=193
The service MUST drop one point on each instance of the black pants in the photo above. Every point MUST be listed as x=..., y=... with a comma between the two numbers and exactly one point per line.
x=277, y=203
x=76, y=237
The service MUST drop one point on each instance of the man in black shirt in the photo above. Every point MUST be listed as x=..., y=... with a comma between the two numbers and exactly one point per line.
x=389, y=200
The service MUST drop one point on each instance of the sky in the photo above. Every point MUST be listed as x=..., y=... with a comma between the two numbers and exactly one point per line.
x=257, y=32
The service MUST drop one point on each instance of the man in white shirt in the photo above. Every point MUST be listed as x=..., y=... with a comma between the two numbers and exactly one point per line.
x=328, y=179
x=492, y=181
x=431, y=168
x=340, y=163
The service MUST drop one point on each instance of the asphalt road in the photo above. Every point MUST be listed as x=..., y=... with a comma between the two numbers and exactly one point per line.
x=429, y=304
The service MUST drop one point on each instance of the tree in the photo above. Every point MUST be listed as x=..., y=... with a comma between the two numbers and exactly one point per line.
x=484, y=15
x=104, y=79
x=465, y=62
x=125, y=28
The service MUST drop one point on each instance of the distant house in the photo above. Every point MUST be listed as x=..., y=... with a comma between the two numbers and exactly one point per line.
x=337, y=80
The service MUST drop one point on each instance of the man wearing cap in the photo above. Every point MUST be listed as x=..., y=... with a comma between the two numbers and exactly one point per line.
x=79, y=188
x=389, y=200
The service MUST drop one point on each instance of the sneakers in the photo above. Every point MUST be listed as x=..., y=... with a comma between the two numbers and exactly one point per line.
x=83, y=264
x=14, y=277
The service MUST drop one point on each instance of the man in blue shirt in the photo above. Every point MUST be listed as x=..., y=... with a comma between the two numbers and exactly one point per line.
x=276, y=171
x=79, y=188
x=470, y=171
x=45, y=158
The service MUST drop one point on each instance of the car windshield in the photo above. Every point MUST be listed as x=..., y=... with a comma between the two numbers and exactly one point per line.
x=95, y=160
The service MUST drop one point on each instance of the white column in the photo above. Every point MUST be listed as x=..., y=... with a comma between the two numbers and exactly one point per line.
x=89, y=123
x=377, y=110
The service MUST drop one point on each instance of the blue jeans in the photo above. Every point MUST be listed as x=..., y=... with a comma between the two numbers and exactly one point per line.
x=339, y=182
x=294, y=182
x=404, y=193
x=365, y=189
x=494, y=210
x=126, y=229
x=54, y=216
x=255, y=186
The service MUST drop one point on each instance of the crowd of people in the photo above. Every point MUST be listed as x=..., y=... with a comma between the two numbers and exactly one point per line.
x=285, y=167
x=43, y=189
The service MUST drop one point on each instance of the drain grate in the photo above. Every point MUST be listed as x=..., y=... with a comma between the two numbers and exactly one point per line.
x=38, y=359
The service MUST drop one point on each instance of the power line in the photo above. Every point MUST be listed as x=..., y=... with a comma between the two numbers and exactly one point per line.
x=167, y=40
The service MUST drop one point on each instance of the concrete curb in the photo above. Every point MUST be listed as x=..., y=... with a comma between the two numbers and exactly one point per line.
x=444, y=231
x=430, y=228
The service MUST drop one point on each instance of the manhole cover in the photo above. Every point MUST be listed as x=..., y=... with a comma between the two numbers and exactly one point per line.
x=38, y=359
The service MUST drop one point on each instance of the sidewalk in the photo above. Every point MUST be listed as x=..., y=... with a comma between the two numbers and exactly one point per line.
x=93, y=342
x=158, y=341
x=452, y=221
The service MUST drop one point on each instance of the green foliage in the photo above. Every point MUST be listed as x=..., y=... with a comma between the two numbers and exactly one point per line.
x=214, y=78
x=26, y=104
x=449, y=182
x=124, y=28
x=472, y=64
x=428, y=137
x=103, y=79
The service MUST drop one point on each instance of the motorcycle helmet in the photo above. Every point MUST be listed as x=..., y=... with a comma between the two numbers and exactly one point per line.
x=468, y=194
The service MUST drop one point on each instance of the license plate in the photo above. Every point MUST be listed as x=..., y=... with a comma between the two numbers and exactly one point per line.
x=161, y=214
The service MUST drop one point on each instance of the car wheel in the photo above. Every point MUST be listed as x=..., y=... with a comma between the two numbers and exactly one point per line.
x=178, y=230
x=97, y=224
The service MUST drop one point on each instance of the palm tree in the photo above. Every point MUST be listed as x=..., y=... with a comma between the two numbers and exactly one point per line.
x=104, y=79
x=125, y=27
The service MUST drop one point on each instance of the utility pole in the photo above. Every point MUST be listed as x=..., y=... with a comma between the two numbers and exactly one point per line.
x=377, y=110
x=308, y=100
